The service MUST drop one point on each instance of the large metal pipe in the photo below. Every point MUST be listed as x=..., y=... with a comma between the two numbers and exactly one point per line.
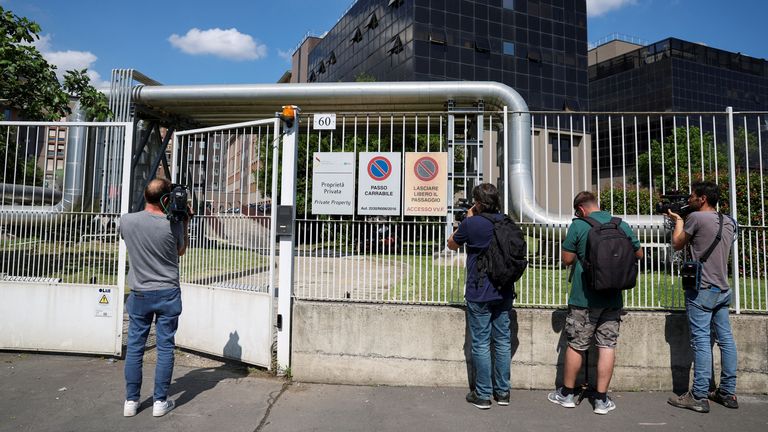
x=74, y=171
x=228, y=103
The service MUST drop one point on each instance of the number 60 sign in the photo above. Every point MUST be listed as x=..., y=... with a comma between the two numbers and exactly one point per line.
x=324, y=121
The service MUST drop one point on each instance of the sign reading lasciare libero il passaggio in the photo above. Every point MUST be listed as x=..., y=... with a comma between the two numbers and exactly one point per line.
x=426, y=184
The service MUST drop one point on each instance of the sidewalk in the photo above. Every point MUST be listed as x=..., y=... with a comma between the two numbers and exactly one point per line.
x=45, y=392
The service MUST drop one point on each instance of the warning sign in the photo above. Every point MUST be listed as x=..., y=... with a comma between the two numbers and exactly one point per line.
x=378, y=191
x=104, y=306
x=333, y=183
x=426, y=184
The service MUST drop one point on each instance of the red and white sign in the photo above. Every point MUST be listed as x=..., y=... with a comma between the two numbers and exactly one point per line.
x=426, y=184
x=378, y=184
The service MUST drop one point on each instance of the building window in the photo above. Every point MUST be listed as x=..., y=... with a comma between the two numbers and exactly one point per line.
x=509, y=48
x=357, y=36
x=395, y=3
x=509, y=4
x=561, y=148
x=332, y=58
x=321, y=67
x=438, y=37
x=397, y=45
x=373, y=22
x=312, y=77
x=482, y=45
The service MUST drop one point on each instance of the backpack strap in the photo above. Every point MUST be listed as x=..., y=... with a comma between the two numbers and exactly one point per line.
x=591, y=221
x=616, y=221
x=477, y=269
x=718, y=237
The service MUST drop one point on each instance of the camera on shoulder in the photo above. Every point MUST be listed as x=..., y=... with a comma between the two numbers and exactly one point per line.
x=177, y=209
x=675, y=201
x=463, y=205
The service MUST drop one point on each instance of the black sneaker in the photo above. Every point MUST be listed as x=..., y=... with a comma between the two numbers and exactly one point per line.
x=728, y=401
x=501, y=399
x=476, y=401
x=688, y=401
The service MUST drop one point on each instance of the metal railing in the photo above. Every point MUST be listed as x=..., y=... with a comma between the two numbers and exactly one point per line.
x=60, y=201
x=629, y=159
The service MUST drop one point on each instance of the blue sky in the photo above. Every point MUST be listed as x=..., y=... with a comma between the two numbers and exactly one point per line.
x=240, y=41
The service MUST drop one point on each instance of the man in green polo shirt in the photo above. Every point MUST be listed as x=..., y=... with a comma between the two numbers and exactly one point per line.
x=590, y=313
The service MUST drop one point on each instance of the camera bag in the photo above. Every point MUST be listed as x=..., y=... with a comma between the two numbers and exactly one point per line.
x=690, y=271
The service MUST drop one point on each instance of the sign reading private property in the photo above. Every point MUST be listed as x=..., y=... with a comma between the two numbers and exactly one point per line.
x=333, y=183
x=378, y=191
x=426, y=184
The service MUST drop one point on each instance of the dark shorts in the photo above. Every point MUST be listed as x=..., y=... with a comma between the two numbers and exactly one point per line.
x=582, y=324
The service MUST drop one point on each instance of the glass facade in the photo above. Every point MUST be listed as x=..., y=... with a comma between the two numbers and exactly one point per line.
x=537, y=47
x=669, y=76
x=675, y=75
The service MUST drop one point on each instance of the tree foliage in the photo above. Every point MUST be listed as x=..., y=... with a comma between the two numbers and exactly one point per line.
x=28, y=84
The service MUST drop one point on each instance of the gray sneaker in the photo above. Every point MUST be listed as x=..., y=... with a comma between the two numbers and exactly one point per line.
x=688, y=401
x=604, y=407
x=558, y=398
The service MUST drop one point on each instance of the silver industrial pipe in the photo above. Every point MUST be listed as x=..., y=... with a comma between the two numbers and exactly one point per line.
x=222, y=103
x=74, y=170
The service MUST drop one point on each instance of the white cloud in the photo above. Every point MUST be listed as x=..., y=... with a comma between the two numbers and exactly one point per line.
x=70, y=60
x=285, y=55
x=229, y=44
x=601, y=7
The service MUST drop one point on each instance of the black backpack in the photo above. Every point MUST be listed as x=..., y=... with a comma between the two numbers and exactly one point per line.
x=610, y=262
x=503, y=262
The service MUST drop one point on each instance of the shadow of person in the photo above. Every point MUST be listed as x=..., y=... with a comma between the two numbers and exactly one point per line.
x=677, y=335
x=232, y=348
x=198, y=381
x=558, y=326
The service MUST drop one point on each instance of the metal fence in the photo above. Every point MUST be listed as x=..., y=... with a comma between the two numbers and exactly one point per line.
x=61, y=191
x=230, y=172
x=629, y=159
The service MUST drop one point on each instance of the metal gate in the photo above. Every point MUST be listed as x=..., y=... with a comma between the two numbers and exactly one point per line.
x=228, y=271
x=62, y=263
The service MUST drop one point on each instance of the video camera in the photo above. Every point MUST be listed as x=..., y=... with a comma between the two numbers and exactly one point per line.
x=675, y=201
x=176, y=207
x=464, y=205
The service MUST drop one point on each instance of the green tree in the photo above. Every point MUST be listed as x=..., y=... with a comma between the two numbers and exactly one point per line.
x=28, y=83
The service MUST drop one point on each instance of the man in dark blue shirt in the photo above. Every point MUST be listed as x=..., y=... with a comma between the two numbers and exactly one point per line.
x=487, y=307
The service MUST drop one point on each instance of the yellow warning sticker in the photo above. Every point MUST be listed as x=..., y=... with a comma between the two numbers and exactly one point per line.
x=104, y=300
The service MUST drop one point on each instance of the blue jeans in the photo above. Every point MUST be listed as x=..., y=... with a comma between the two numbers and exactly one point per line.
x=490, y=321
x=164, y=307
x=709, y=308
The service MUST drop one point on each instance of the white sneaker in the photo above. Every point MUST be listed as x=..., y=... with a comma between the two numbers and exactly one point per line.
x=161, y=408
x=604, y=407
x=130, y=408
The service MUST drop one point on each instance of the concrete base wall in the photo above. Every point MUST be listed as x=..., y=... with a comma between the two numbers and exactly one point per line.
x=357, y=343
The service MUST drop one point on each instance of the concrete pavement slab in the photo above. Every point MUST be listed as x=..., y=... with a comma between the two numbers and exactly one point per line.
x=320, y=407
x=43, y=392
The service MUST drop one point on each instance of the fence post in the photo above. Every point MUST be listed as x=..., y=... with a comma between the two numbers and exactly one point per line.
x=122, y=251
x=734, y=213
x=506, y=161
x=287, y=243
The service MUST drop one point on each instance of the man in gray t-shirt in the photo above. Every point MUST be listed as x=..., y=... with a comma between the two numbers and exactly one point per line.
x=154, y=246
x=708, y=304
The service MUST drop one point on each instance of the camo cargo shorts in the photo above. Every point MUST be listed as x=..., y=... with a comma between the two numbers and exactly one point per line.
x=582, y=324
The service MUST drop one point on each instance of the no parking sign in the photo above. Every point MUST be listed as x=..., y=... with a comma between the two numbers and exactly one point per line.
x=426, y=184
x=378, y=190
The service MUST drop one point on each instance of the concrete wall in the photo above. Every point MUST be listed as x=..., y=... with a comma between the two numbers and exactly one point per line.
x=357, y=343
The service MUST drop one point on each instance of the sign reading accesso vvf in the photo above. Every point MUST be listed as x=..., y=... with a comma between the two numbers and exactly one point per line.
x=426, y=184
x=333, y=183
x=378, y=191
